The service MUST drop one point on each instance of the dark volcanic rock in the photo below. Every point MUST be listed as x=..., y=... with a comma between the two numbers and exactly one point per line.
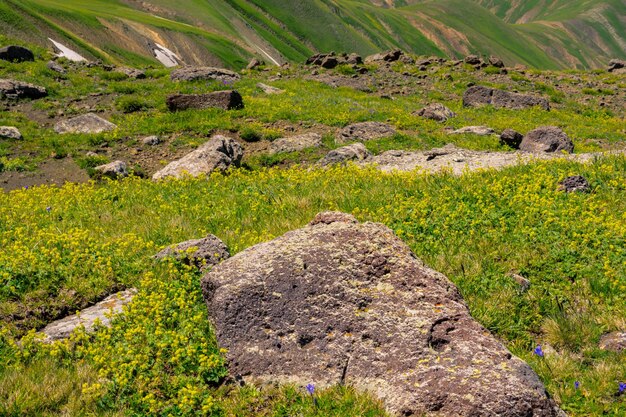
x=365, y=131
x=18, y=89
x=226, y=100
x=575, y=183
x=479, y=96
x=204, y=73
x=14, y=53
x=218, y=154
x=511, y=138
x=354, y=152
x=436, y=111
x=86, y=123
x=201, y=253
x=547, y=139
x=341, y=302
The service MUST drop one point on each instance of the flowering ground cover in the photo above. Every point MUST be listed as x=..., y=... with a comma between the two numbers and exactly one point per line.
x=62, y=248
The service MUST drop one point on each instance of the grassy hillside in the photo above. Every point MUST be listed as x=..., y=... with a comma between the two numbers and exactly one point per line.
x=573, y=34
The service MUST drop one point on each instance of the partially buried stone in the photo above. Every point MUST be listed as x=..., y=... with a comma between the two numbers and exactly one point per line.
x=338, y=302
x=225, y=100
x=575, y=183
x=201, y=253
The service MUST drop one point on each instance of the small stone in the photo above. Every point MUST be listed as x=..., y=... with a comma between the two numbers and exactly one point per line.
x=268, y=89
x=254, y=64
x=575, y=183
x=365, y=131
x=56, y=67
x=614, y=342
x=10, y=132
x=86, y=123
x=496, y=62
x=133, y=73
x=473, y=60
x=511, y=138
x=523, y=283
x=355, y=152
x=436, y=111
x=476, y=130
x=201, y=253
x=296, y=143
x=113, y=170
x=151, y=140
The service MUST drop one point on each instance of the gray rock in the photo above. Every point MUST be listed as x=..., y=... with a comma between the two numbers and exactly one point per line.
x=151, y=140
x=133, y=73
x=436, y=111
x=86, y=123
x=115, y=169
x=365, y=131
x=10, y=132
x=354, y=152
x=479, y=96
x=496, y=62
x=218, y=154
x=546, y=139
x=296, y=143
x=225, y=100
x=56, y=67
x=614, y=342
x=329, y=62
x=201, y=253
x=204, y=73
x=389, y=56
x=475, y=130
x=341, y=302
x=473, y=60
x=62, y=329
x=354, y=59
x=13, y=53
x=254, y=63
x=511, y=138
x=268, y=89
x=17, y=89
x=575, y=183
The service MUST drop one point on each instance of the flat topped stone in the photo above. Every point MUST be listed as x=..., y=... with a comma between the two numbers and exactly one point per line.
x=86, y=123
x=342, y=302
x=479, y=95
x=62, y=329
x=225, y=100
x=18, y=89
x=296, y=143
x=204, y=73
x=365, y=131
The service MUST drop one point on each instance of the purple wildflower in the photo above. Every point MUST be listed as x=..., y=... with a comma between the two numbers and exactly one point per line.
x=577, y=384
x=538, y=351
x=48, y=209
x=310, y=388
x=622, y=387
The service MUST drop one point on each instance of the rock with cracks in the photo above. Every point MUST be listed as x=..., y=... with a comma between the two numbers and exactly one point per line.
x=201, y=253
x=365, y=131
x=86, y=123
x=204, y=73
x=225, y=100
x=479, y=96
x=342, y=302
x=14, y=89
x=547, y=139
x=296, y=143
x=354, y=152
x=218, y=154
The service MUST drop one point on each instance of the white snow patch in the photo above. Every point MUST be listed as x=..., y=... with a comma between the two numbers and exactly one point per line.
x=66, y=52
x=267, y=55
x=167, y=57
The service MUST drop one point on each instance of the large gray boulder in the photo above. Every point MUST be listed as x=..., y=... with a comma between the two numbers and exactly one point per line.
x=13, y=53
x=342, y=302
x=17, y=89
x=546, y=139
x=201, y=253
x=296, y=143
x=365, y=131
x=479, y=96
x=10, y=132
x=113, y=170
x=355, y=152
x=218, y=154
x=86, y=123
x=225, y=100
x=204, y=73
x=436, y=111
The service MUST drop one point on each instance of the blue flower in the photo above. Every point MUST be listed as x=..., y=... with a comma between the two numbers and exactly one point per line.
x=538, y=351
x=622, y=387
x=48, y=209
x=577, y=384
x=310, y=388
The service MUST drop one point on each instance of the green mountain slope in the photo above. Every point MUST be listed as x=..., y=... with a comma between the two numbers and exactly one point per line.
x=560, y=34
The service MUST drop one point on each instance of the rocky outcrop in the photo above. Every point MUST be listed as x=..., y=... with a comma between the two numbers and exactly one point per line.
x=13, y=53
x=511, y=138
x=204, y=73
x=225, y=100
x=575, y=183
x=365, y=131
x=296, y=143
x=17, y=89
x=479, y=96
x=547, y=139
x=62, y=329
x=436, y=111
x=86, y=123
x=338, y=302
x=201, y=253
x=113, y=170
x=10, y=132
x=332, y=60
x=475, y=130
x=218, y=154
x=389, y=56
x=354, y=152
